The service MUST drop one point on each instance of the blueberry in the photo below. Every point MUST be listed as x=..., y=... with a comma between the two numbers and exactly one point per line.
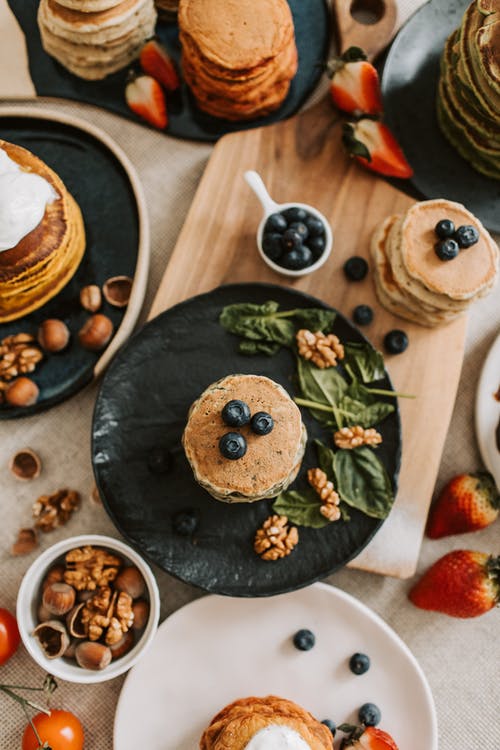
x=369, y=714
x=356, y=268
x=185, y=522
x=159, y=460
x=294, y=213
x=262, y=423
x=315, y=226
x=359, y=663
x=317, y=246
x=444, y=229
x=466, y=236
x=447, y=249
x=331, y=726
x=272, y=245
x=304, y=640
x=232, y=445
x=291, y=239
x=396, y=341
x=296, y=259
x=300, y=228
x=275, y=223
x=362, y=315
x=236, y=413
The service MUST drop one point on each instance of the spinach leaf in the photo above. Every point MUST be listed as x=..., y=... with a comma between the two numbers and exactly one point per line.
x=316, y=319
x=362, y=481
x=364, y=414
x=301, y=507
x=325, y=387
x=326, y=459
x=259, y=322
x=364, y=361
x=249, y=347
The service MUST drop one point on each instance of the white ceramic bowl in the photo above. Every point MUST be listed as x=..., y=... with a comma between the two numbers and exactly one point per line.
x=28, y=600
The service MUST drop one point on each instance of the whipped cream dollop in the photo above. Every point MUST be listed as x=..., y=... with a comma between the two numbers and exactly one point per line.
x=23, y=199
x=277, y=737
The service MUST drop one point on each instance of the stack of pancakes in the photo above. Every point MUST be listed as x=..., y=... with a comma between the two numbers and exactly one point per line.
x=93, y=38
x=412, y=282
x=238, y=56
x=44, y=260
x=167, y=8
x=468, y=102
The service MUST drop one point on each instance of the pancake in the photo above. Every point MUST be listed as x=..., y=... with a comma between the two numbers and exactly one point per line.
x=271, y=462
x=237, y=724
x=42, y=262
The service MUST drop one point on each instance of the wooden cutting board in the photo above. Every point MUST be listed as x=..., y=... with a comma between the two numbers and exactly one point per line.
x=302, y=160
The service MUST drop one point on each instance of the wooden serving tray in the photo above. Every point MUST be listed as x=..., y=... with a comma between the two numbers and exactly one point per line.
x=302, y=160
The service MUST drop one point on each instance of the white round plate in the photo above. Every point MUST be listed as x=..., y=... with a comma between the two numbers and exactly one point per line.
x=488, y=411
x=218, y=649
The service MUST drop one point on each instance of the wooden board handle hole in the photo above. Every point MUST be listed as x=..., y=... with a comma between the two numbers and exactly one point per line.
x=367, y=12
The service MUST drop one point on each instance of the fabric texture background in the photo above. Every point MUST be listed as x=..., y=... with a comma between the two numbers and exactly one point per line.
x=460, y=658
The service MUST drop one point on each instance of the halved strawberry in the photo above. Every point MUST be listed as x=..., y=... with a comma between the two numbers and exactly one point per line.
x=355, y=86
x=366, y=738
x=467, y=503
x=145, y=97
x=374, y=146
x=156, y=62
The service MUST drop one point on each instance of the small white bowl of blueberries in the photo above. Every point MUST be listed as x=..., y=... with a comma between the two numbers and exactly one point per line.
x=294, y=239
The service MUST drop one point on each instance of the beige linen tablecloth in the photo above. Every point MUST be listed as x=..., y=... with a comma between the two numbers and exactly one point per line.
x=460, y=658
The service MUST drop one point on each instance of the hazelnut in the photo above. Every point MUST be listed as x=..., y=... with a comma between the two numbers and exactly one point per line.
x=58, y=598
x=140, y=609
x=131, y=581
x=96, y=333
x=53, y=335
x=22, y=392
x=55, y=575
x=117, y=290
x=25, y=465
x=123, y=645
x=43, y=614
x=91, y=298
x=74, y=622
x=93, y=655
x=52, y=637
x=25, y=543
x=70, y=651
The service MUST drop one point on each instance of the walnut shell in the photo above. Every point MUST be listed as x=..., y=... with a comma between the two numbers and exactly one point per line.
x=52, y=637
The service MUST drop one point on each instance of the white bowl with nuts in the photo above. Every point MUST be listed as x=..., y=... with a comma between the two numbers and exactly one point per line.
x=88, y=608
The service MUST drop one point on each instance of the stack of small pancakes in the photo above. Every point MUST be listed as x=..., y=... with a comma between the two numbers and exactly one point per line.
x=238, y=56
x=93, y=38
x=469, y=88
x=44, y=260
x=167, y=8
x=412, y=282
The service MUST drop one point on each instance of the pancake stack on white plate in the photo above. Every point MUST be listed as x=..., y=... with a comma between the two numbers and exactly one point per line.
x=413, y=282
x=93, y=38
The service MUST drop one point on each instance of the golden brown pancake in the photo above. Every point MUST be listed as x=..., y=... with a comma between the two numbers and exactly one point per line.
x=236, y=724
x=271, y=462
x=43, y=261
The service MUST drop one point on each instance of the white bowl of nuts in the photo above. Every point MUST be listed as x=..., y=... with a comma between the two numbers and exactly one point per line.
x=88, y=608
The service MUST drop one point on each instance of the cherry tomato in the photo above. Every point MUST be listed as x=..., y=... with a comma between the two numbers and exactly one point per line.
x=9, y=635
x=61, y=730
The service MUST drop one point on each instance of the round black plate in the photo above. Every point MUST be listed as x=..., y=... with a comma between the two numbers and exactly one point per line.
x=143, y=403
x=312, y=29
x=409, y=85
x=101, y=187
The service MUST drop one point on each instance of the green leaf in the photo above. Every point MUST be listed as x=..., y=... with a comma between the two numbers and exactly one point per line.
x=362, y=481
x=301, y=507
x=354, y=54
x=250, y=347
x=316, y=319
x=364, y=361
x=326, y=459
x=258, y=322
x=326, y=387
x=364, y=414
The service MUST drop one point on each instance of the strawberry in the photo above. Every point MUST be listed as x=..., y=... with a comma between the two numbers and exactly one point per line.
x=366, y=738
x=374, y=146
x=156, y=62
x=355, y=86
x=467, y=503
x=145, y=97
x=463, y=583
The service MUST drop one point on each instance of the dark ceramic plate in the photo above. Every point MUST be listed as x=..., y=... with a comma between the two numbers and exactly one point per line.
x=312, y=27
x=101, y=186
x=409, y=85
x=143, y=404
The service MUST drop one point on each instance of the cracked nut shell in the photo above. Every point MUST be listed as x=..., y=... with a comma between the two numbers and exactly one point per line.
x=25, y=465
x=22, y=392
x=53, y=335
x=130, y=581
x=52, y=637
x=25, y=543
x=117, y=290
x=93, y=655
x=91, y=298
x=96, y=332
x=74, y=622
x=59, y=598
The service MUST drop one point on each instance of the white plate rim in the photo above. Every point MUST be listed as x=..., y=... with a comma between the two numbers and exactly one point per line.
x=486, y=418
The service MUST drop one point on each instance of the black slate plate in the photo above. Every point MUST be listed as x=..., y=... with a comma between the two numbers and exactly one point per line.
x=100, y=185
x=409, y=85
x=312, y=27
x=143, y=403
